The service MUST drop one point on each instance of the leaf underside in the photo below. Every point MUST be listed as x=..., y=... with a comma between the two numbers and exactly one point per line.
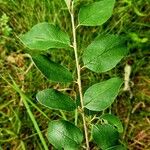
x=44, y=36
x=104, y=53
x=64, y=135
x=97, y=13
x=101, y=95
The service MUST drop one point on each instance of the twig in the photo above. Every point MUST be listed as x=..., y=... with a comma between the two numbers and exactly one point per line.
x=79, y=75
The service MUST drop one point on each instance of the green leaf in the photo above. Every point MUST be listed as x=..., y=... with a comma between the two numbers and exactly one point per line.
x=104, y=53
x=105, y=136
x=51, y=70
x=117, y=147
x=96, y=13
x=113, y=120
x=44, y=36
x=54, y=99
x=64, y=135
x=100, y=96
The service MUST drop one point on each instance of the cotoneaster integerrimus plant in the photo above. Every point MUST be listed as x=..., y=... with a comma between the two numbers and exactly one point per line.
x=103, y=54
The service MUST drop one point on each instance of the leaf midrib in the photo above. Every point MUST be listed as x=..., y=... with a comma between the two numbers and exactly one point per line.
x=67, y=136
x=104, y=52
x=98, y=95
x=49, y=40
x=91, y=16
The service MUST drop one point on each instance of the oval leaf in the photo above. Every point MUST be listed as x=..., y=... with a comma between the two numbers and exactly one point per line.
x=64, y=135
x=96, y=13
x=54, y=99
x=51, y=70
x=113, y=120
x=44, y=36
x=100, y=96
x=105, y=136
x=104, y=53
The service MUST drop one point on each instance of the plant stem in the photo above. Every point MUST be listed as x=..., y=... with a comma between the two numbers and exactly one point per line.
x=79, y=75
x=76, y=117
x=63, y=115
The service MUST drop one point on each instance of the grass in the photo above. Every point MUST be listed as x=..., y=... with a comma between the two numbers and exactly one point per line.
x=130, y=18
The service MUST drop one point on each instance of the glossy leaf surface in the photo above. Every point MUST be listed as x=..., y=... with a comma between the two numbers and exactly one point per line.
x=113, y=120
x=44, y=36
x=54, y=99
x=96, y=13
x=105, y=136
x=104, y=53
x=51, y=70
x=64, y=135
x=101, y=95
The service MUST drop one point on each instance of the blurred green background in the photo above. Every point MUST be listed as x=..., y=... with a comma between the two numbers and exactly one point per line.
x=130, y=18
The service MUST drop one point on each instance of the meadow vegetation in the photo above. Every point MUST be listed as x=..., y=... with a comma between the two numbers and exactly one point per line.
x=130, y=18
